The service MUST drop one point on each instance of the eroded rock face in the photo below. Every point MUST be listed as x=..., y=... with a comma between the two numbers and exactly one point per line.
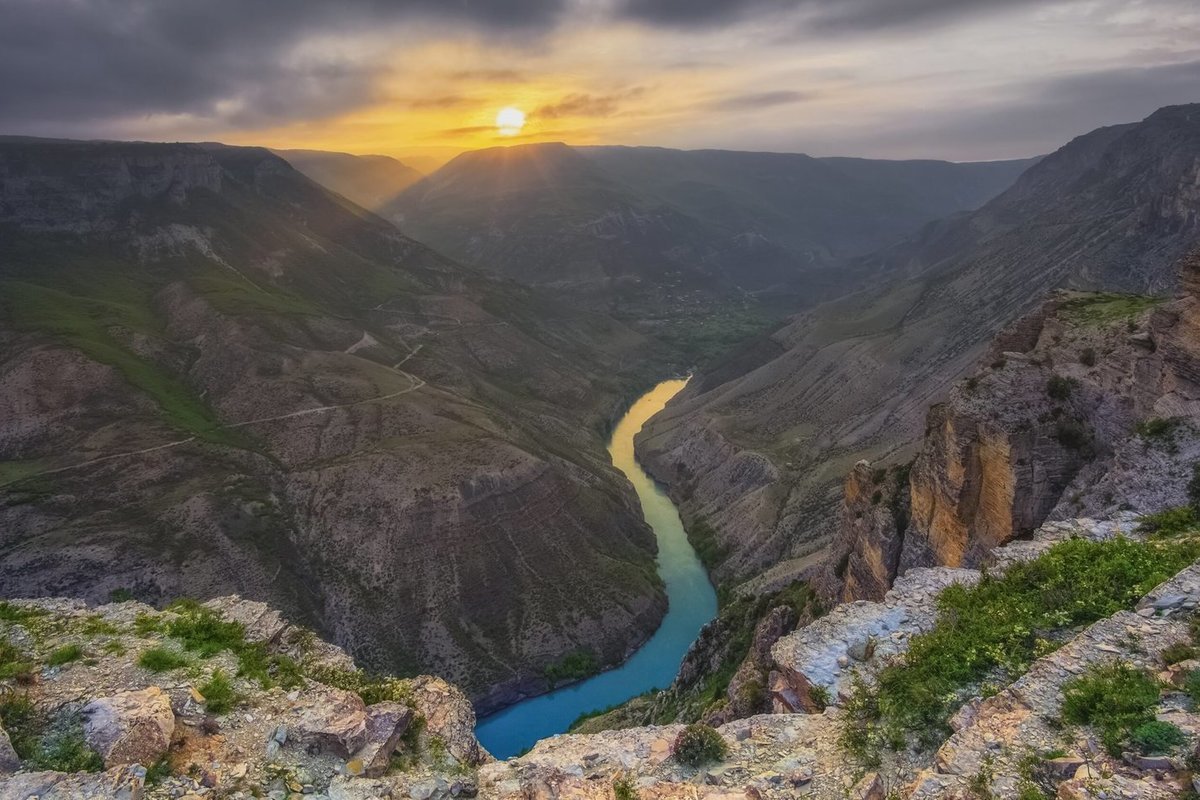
x=130, y=727
x=1046, y=428
x=871, y=523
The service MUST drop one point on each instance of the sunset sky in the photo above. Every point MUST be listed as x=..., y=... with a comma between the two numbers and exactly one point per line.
x=957, y=79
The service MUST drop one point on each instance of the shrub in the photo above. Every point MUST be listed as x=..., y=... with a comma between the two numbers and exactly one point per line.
x=1072, y=435
x=1171, y=522
x=17, y=717
x=1157, y=429
x=1192, y=685
x=1087, y=357
x=819, y=695
x=751, y=694
x=146, y=624
x=572, y=667
x=1060, y=388
x=1156, y=738
x=624, y=788
x=65, y=655
x=1180, y=651
x=699, y=744
x=218, y=692
x=1115, y=699
x=64, y=749
x=120, y=596
x=160, y=659
x=13, y=663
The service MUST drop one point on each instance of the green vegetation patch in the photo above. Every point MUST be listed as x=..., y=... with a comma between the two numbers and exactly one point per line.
x=219, y=695
x=707, y=543
x=1113, y=698
x=64, y=655
x=1105, y=307
x=47, y=744
x=998, y=627
x=699, y=744
x=90, y=324
x=574, y=666
x=13, y=662
x=160, y=659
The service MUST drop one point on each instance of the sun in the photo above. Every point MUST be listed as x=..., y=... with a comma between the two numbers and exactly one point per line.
x=510, y=121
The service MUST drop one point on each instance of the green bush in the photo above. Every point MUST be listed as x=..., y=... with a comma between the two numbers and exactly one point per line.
x=1171, y=522
x=17, y=717
x=218, y=692
x=1072, y=435
x=64, y=655
x=160, y=659
x=1060, y=388
x=572, y=667
x=1156, y=738
x=47, y=744
x=699, y=744
x=819, y=695
x=1157, y=428
x=1087, y=357
x=13, y=663
x=1114, y=698
x=1192, y=686
x=1179, y=651
x=624, y=788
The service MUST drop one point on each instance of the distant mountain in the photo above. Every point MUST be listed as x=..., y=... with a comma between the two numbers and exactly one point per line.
x=216, y=376
x=758, y=444
x=590, y=220
x=369, y=181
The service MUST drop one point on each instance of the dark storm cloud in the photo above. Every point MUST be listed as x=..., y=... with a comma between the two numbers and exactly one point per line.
x=847, y=15
x=65, y=62
x=750, y=102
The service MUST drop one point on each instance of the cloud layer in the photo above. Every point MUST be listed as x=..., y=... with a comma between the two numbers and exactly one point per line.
x=944, y=78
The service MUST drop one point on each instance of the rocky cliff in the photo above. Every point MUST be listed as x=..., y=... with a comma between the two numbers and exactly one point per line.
x=216, y=377
x=1087, y=405
x=759, y=444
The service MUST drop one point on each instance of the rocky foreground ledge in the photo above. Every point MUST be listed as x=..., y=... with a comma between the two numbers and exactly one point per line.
x=224, y=699
x=227, y=700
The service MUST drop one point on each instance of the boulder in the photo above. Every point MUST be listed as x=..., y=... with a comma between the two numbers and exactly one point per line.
x=9, y=760
x=130, y=727
x=386, y=723
x=330, y=720
x=870, y=787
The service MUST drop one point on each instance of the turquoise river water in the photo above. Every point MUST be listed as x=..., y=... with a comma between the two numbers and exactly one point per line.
x=692, y=603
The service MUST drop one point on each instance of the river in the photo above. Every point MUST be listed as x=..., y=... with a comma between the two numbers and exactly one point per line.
x=692, y=603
